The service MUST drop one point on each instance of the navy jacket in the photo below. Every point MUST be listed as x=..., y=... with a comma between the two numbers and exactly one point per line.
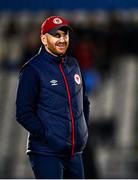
x=51, y=104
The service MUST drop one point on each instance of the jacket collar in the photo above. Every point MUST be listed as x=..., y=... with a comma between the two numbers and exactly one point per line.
x=48, y=56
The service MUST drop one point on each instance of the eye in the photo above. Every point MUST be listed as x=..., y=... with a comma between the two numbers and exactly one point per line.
x=57, y=35
x=66, y=33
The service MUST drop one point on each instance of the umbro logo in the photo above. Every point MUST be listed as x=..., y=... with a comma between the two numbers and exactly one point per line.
x=54, y=82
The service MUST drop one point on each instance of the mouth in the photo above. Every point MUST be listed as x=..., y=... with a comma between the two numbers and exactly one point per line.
x=61, y=46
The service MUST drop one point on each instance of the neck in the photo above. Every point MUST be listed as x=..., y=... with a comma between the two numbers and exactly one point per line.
x=50, y=52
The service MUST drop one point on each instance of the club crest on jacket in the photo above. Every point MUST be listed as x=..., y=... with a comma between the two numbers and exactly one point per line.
x=77, y=79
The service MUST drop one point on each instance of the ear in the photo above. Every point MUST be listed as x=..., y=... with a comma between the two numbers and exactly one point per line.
x=44, y=39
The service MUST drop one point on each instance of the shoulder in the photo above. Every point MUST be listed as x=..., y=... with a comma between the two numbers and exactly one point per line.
x=36, y=61
x=31, y=64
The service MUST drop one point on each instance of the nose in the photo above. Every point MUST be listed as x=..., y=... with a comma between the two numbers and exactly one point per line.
x=62, y=39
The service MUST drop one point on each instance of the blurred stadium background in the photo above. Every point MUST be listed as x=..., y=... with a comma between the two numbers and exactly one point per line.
x=105, y=42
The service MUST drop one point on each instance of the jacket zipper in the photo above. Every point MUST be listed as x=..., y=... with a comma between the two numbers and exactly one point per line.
x=70, y=107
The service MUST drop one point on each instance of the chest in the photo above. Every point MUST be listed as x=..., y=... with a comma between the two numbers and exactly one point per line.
x=55, y=79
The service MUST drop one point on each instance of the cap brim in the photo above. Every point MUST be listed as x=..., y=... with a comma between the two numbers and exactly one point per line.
x=63, y=27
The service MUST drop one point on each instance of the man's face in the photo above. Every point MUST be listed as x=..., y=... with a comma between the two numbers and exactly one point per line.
x=56, y=44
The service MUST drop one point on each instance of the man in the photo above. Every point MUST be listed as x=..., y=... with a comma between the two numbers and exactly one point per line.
x=52, y=105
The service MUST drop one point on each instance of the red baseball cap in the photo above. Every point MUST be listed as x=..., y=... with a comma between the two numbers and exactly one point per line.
x=53, y=23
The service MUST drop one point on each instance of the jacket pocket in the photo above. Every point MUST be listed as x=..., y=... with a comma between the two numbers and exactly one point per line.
x=81, y=143
x=57, y=143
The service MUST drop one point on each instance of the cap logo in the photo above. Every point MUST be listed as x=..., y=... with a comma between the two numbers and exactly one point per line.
x=77, y=79
x=57, y=21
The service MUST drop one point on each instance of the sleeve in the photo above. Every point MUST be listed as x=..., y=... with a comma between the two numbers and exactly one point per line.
x=86, y=103
x=26, y=99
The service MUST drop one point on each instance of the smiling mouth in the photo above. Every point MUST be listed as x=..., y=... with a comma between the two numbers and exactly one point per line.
x=62, y=45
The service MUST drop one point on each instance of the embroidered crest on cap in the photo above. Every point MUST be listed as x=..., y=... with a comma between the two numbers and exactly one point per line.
x=77, y=79
x=57, y=21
